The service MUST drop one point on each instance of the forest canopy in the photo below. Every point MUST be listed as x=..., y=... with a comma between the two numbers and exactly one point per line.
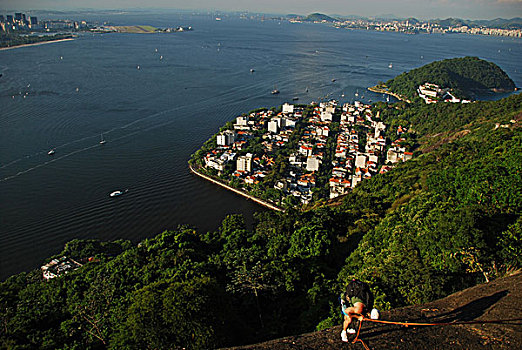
x=466, y=76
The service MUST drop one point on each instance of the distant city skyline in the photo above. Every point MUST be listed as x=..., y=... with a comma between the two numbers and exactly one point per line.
x=422, y=9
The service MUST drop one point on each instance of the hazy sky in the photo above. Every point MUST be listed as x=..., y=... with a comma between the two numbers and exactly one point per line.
x=475, y=9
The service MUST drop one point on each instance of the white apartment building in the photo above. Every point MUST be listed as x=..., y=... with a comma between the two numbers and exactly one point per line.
x=360, y=161
x=244, y=163
x=288, y=108
x=226, y=138
x=313, y=163
x=273, y=126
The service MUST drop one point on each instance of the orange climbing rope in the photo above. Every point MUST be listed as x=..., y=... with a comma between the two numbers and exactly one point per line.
x=359, y=339
x=406, y=324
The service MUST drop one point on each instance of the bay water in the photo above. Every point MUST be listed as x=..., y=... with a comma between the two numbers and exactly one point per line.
x=154, y=99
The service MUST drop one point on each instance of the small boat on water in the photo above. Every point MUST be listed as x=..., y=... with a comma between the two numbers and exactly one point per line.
x=102, y=141
x=118, y=193
x=275, y=91
x=333, y=80
x=390, y=66
x=252, y=70
x=295, y=98
x=51, y=152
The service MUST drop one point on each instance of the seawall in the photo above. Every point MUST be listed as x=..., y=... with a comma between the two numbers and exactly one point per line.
x=235, y=190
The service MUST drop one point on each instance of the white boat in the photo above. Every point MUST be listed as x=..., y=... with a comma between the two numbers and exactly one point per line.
x=357, y=93
x=102, y=141
x=390, y=65
x=51, y=152
x=117, y=193
x=252, y=70
x=275, y=91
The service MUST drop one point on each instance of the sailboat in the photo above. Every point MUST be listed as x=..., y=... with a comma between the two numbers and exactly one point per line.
x=390, y=66
x=357, y=93
x=102, y=141
x=275, y=91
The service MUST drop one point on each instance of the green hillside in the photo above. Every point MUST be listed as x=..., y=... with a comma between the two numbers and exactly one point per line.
x=466, y=76
x=448, y=219
x=318, y=17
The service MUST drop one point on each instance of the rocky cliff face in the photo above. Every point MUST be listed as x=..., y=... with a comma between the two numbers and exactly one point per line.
x=498, y=300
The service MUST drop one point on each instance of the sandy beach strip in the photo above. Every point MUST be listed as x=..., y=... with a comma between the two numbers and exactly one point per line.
x=35, y=44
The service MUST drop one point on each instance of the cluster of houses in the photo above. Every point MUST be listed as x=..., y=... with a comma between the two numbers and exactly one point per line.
x=308, y=157
x=360, y=152
x=432, y=93
x=355, y=160
x=249, y=168
x=58, y=267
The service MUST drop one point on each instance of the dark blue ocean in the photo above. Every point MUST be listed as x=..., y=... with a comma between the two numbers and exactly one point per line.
x=66, y=95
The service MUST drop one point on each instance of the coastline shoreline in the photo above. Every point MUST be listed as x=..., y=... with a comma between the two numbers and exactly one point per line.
x=382, y=91
x=35, y=44
x=255, y=199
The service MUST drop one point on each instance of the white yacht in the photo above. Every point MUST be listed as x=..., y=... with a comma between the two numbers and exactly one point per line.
x=117, y=193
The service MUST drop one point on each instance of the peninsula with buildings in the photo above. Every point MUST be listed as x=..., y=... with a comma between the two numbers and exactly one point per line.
x=297, y=155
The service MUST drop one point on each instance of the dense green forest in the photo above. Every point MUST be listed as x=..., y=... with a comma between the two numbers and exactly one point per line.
x=466, y=76
x=446, y=220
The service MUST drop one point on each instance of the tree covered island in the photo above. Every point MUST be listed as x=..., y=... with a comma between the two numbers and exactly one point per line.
x=463, y=77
